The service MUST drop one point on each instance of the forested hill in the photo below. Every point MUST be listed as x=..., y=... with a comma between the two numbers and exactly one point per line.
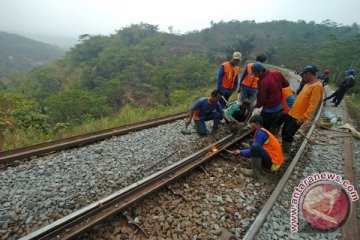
x=286, y=43
x=141, y=66
x=19, y=53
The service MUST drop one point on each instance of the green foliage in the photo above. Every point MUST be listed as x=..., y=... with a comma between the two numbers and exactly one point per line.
x=18, y=111
x=140, y=72
x=76, y=105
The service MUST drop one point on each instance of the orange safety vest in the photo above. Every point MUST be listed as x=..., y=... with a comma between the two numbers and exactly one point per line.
x=273, y=147
x=250, y=80
x=286, y=92
x=228, y=79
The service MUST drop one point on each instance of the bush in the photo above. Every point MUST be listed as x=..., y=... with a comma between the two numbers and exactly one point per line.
x=76, y=105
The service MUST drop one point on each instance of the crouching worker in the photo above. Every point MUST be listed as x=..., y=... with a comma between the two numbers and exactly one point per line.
x=265, y=150
x=238, y=113
x=206, y=109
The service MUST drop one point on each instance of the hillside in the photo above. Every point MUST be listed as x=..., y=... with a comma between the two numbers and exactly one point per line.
x=140, y=72
x=19, y=54
x=142, y=67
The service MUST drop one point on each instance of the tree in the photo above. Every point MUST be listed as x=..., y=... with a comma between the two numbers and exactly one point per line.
x=76, y=105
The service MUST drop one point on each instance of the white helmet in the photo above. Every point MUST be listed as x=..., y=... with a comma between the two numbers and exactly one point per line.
x=237, y=55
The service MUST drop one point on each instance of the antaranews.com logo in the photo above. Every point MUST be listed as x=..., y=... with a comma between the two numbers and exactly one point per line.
x=322, y=200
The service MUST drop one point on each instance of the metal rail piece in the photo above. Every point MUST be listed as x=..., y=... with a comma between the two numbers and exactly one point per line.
x=78, y=222
x=58, y=145
x=350, y=228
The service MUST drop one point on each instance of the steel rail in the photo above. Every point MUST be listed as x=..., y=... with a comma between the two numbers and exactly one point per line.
x=350, y=228
x=85, y=218
x=260, y=219
x=80, y=140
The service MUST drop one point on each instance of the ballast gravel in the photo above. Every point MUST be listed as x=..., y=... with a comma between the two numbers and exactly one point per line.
x=42, y=190
x=324, y=157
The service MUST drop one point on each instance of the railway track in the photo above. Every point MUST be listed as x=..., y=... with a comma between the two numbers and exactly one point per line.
x=202, y=196
x=53, y=185
x=26, y=153
x=214, y=203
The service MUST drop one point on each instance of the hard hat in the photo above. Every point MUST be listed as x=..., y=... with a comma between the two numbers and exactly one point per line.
x=327, y=71
x=350, y=71
x=310, y=68
x=237, y=55
x=257, y=67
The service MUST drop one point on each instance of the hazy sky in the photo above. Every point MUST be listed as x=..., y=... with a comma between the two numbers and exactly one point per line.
x=72, y=18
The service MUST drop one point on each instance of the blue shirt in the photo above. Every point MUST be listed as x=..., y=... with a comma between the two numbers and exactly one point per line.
x=273, y=109
x=261, y=137
x=202, y=107
x=290, y=100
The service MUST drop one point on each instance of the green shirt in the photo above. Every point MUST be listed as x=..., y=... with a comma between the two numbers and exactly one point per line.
x=230, y=111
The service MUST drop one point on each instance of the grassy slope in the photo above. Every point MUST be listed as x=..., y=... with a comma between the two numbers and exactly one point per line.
x=180, y=102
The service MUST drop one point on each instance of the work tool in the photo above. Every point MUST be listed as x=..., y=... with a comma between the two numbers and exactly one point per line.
x=186, y=131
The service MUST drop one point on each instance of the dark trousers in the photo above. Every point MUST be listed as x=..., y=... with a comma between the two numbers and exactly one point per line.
x=269, y=118
x=289, y=129
x=258, y=151
x=337, y=96
x=278, y=122
x=201, y=126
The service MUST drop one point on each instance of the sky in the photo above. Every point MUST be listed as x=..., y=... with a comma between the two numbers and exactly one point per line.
x=71, y=18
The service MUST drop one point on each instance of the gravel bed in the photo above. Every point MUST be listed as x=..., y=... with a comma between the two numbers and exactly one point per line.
x=316, y=159
x=219, y=203
x=47, y=188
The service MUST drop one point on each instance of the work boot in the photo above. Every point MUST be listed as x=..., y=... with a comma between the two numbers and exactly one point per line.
x=286, y=148
x=255, y=170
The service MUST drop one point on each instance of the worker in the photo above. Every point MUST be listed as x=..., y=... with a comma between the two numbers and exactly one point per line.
x=325, y=77
x=304, y=106
x=288, y=99
x=227, y=81
x=249, y=82
x=206, y=109
x=238, y=111
x=265, y=150
x=344, y=86
x=269, y=95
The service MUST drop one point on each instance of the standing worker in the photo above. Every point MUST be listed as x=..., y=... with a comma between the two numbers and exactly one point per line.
x=249, y=82
x=304, y=107
x=227, y=81
x=206, y=109
x=265, y=150
x=325, y=77
x=344, y=86
x=269, y=95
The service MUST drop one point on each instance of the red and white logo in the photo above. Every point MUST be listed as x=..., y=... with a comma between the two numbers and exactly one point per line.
x=325, y=206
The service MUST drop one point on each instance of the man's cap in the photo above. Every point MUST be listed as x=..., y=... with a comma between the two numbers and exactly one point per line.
x=327, y=71
x=261, y=58
x=257, y=67
x=310, y=68
x=350, y=71
x=237, y=55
